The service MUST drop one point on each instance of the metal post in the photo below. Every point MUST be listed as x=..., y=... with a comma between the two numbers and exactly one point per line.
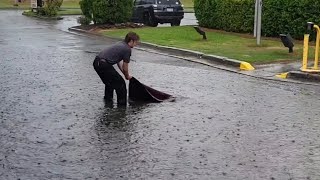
x=316, y=56
x=305, y=52
x=259, y=14
x=255, y=19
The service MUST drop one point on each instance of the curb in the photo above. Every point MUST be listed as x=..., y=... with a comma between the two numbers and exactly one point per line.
x=241, y=65
x=25, y=13
x=304, y=76
x=78, y=30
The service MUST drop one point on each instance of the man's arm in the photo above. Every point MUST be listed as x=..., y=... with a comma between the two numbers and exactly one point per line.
x=120, y=66
x=125, y=70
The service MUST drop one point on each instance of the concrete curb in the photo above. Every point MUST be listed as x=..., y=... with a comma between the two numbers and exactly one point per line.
x=304, y=76
x=78, y=30
x=25, y=13
x=241, y=65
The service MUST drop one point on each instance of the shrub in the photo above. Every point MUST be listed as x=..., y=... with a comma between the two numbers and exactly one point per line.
x=50, y=8
x=84, y=20
x=107, y=11
x=289, y=16
x=86, y=8
x=59, y=3
x=229, y=15
x=278, y=16
x=100, y=11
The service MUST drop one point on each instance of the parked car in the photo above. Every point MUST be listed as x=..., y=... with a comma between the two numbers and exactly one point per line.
x=152, y=12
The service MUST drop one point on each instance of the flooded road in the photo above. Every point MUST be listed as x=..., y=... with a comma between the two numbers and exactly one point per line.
x=54, y=123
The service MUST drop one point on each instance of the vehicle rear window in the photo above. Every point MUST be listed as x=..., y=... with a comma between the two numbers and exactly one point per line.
x=168, y=2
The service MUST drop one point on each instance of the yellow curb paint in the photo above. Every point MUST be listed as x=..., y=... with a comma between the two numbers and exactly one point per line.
x=282, y=75
x=246, y=66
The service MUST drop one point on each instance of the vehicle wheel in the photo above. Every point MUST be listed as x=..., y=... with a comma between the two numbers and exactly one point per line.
x=146, y=19
x=149, y=20
x=152, y=21
x=176, y=23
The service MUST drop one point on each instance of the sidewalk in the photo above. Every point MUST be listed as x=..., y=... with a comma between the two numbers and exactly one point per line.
x=285, y=72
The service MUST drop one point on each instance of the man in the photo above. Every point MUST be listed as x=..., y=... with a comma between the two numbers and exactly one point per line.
x=119, y=54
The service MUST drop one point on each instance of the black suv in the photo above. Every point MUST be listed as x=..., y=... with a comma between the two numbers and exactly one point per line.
x=152, y=12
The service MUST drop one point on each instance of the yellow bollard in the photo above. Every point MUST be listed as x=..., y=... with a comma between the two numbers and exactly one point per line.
x=316, y=56
x=315, y=68
x=305, y=52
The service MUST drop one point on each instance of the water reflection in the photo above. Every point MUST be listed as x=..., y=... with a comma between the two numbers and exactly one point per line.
x=115, y=118
x=114, y=140
x=112, y=117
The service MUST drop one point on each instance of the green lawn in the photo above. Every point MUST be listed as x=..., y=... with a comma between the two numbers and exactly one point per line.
x=69, y=7
x=187, y=3
x=230, y=45
x=25, y=4
x=71, y=4
x=10, y=3
x=72, y=11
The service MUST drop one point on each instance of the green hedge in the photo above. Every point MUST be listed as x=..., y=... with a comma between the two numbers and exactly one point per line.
x=289, y=16
x=279, y=16
x=229, y=15
x=86, y=8
x=107, y=11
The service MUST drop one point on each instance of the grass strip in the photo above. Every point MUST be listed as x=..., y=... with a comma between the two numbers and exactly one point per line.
x=232, y=45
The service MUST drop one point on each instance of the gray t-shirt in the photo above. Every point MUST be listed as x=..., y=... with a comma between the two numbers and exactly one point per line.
x=116, y=53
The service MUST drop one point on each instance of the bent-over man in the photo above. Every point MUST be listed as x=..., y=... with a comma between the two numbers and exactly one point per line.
x=119, y=54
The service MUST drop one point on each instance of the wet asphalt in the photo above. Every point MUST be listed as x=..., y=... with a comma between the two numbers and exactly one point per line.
x=54, y=123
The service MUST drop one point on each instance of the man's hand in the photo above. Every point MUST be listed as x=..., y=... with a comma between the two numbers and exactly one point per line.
x=125, y=68
x=129, y=77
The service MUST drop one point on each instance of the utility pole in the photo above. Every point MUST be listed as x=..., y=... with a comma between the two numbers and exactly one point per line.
x=257, y=21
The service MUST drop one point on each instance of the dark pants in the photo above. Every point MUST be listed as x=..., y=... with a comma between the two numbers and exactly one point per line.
x=112, y=80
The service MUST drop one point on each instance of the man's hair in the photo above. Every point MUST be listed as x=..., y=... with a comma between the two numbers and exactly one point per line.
x=131, y=36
